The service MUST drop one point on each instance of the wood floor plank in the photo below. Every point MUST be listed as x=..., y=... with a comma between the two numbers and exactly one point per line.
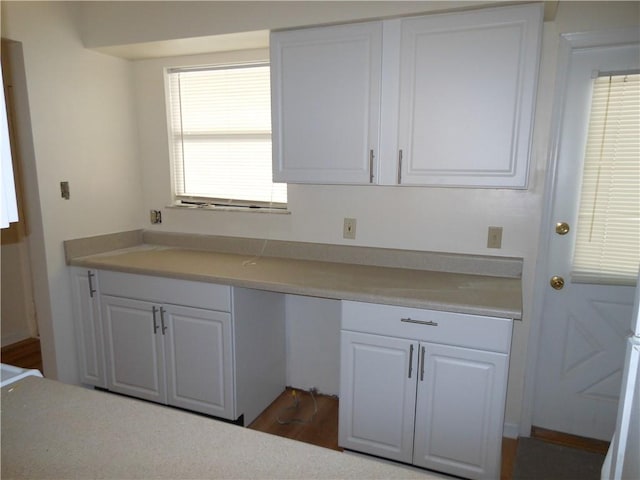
x=321, y=429
x=24, y=354
x=509, y=449
x=568, y=440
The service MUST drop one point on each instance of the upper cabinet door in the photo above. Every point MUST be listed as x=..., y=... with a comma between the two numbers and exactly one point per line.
x=326, y=103
x=467, y=96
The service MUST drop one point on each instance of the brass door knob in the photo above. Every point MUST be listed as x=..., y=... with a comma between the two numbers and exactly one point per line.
x=557, y=282
x=562, y=228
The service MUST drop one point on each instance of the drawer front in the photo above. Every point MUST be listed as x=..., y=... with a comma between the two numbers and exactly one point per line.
x=473, y=331
x=166, y=290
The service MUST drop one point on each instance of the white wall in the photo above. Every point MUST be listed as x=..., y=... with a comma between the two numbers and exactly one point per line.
x=430, y=219
x=16, y=320
x=116, y=23
x=83, y=132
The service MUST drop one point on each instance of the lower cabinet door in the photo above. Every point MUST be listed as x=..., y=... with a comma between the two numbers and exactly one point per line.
x=135, y=351
x=377, y=395
x=460, y=411
x=199, y=356
x=88, y=326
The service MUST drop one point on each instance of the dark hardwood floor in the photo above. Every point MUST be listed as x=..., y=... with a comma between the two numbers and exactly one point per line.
x=25, y=354
x=322, y=430
x=573, y=441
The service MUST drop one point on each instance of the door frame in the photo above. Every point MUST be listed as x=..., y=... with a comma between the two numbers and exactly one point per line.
x=568, y=44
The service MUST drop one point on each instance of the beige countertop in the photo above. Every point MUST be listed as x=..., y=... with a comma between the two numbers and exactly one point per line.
x=454, y=292
x=54, y=430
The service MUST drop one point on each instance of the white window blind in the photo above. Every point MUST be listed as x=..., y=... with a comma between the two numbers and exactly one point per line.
x=607, y=246
x=220, y=135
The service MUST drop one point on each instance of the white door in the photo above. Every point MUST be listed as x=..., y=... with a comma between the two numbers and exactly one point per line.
x=583, y=325
x=134, y=348
x=377, y=395
x=460, y=410
x=326, y=103
x=199, y=355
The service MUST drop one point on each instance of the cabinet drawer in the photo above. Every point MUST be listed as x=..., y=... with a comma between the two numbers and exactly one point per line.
x=166, y=290
x=473, y=331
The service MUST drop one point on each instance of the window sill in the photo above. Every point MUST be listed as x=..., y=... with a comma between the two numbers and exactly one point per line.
x=226, y=208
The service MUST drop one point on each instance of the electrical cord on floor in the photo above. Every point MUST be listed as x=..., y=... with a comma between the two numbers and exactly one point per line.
x=296, y=406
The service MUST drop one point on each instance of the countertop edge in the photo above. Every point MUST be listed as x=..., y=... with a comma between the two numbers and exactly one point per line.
x=101, y=262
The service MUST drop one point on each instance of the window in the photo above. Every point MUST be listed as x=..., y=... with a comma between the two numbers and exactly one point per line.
x=220, y=136
x=8, y=205
x=608, y=232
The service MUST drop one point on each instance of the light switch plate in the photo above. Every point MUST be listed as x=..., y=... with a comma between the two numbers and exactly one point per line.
x=64, y=190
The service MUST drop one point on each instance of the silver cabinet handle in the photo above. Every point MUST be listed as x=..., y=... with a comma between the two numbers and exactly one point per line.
x=155, y=324
x=164, y=327
x=370, y=166
x=419, y=322
x=422, y=365
x=400, y=167
x=410, y=359
x=92, y=290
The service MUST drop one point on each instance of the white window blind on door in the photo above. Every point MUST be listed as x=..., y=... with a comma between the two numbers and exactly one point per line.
x=607, y=246
x=220, y=135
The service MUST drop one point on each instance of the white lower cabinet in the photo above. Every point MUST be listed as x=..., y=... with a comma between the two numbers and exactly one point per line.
x=209, y=348
x=170, y=354
x=407, y=395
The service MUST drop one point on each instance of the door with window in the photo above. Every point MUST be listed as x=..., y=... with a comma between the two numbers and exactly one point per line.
x=594, y=241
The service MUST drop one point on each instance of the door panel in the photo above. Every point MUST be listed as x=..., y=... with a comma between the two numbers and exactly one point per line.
x=135, y=355
x=377, y=395
x=459, y=411
x=581, y=346
x=581, y=359
x=467, y=96
x=199, y=360
x=88, y=328
x=326, y=103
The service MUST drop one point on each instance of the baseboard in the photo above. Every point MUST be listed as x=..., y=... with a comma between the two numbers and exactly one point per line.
x=511, y=430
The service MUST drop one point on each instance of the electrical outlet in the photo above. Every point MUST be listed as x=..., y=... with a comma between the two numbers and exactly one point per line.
x=494, y=237
x=155, y=216
x=349, y=229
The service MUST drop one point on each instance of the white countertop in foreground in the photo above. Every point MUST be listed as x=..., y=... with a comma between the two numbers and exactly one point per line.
x=454, y=292
x=54, y=430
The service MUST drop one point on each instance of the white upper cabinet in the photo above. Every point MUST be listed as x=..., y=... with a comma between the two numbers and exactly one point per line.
x=326, y=103
x=467, y=95
x=440, y=100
